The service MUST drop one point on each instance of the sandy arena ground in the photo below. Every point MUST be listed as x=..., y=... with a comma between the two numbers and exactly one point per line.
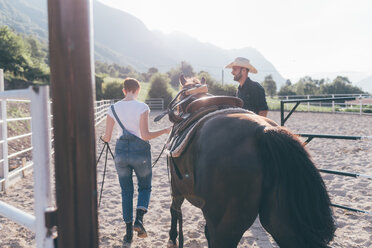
x=354, y=229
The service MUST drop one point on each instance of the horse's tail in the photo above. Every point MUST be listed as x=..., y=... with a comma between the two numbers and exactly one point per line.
x=288, y=167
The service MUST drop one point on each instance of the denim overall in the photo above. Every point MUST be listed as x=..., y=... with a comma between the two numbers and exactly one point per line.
x=133, y=153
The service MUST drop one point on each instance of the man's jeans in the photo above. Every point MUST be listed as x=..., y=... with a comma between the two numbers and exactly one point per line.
x=132, y=153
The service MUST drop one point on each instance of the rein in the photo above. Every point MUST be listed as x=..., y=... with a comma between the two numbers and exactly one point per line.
x=171, y=107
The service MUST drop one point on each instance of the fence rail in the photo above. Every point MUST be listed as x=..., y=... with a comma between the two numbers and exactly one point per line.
x=362, y=104
x=155, y=103
x=326, y=136
x=11, y=171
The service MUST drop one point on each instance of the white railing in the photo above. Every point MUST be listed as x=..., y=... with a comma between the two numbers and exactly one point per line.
x=362, y=105
x=9, y=176
x=100, y=110
x=41, y=146
x=155, y=103
x=41, y=156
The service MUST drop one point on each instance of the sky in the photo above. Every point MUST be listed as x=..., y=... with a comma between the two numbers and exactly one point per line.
x=312, y=37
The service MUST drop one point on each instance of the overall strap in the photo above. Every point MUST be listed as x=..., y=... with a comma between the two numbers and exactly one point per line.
x=117, y=118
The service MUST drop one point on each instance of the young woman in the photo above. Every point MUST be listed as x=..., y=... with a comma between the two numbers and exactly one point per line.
x=132, y=153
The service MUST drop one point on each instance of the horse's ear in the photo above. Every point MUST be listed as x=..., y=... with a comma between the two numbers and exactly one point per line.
x=182, y=79
x=203, y=80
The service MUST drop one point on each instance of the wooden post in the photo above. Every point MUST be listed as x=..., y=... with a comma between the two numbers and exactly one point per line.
x=72, y=82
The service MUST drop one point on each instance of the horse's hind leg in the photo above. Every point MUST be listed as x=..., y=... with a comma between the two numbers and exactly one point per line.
x=176, y=215
x=226, y=230
x=277, y=221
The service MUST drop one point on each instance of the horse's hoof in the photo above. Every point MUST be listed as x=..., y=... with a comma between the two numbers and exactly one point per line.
x=171, y=244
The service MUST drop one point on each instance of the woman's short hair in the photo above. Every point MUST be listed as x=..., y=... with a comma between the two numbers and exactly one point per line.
x=131, y=84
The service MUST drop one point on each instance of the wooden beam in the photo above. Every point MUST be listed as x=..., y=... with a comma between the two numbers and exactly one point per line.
x=72, y=77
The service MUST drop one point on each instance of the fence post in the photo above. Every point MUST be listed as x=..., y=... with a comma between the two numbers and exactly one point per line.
x=360, y=105
x=308, y=103
x=286, y=106
x=333, y=104
x=4, y=166
x=40, y=112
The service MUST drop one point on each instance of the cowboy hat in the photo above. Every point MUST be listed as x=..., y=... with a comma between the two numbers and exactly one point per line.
x=242, y=62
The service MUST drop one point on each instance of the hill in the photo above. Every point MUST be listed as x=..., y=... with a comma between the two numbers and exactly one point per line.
x=124, y=39
x=366, y=84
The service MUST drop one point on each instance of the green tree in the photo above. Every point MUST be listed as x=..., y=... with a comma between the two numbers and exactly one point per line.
x=23, y=56
x=99, y=81
x=306, y=86
x=113, y=90
x=286, y=90
x=38, y=50
x=340, y=85
x=216, y=88
x=187, y=69
x=151, y=71
x=160, y=88
x=269, y=85
x=14, y=54
x=118, y=71
x=174, y=73
x=36, y=72
x=208, y=78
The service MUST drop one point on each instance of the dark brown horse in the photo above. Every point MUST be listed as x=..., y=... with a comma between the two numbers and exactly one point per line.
x=240, y=165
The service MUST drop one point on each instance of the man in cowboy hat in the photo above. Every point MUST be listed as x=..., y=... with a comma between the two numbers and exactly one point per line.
x=251, y=92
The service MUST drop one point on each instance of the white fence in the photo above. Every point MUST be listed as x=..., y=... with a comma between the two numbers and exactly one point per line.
x=14, y=165
x=41, y=156
x=362, y=105
x=39, y=143
x=155, y=103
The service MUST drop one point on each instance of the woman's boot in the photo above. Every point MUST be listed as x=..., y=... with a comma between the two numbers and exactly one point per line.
x=138, y=224
x=129, y=235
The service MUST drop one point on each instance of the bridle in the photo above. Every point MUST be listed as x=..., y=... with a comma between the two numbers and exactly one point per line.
x=181, y=97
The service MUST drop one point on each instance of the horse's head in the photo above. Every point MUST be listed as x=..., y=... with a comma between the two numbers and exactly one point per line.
x=192, y=89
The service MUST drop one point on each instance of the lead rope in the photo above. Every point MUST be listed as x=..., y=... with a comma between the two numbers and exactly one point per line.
x=157, y=159
x=107, y=146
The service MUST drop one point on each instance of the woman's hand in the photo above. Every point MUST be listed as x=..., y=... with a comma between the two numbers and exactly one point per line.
x=105, y=138
x=168, y=130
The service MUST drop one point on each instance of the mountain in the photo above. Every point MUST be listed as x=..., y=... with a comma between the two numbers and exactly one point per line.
x=366, y=84
x=25, y=17
x=124, y=39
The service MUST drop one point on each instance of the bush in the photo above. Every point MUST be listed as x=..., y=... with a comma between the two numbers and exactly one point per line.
x=99, y=79
x=15, y=83
x=160, y=88
x=222, y=90
x=113, y=90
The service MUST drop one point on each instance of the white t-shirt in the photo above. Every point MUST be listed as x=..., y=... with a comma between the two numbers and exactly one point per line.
x=129, y=113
